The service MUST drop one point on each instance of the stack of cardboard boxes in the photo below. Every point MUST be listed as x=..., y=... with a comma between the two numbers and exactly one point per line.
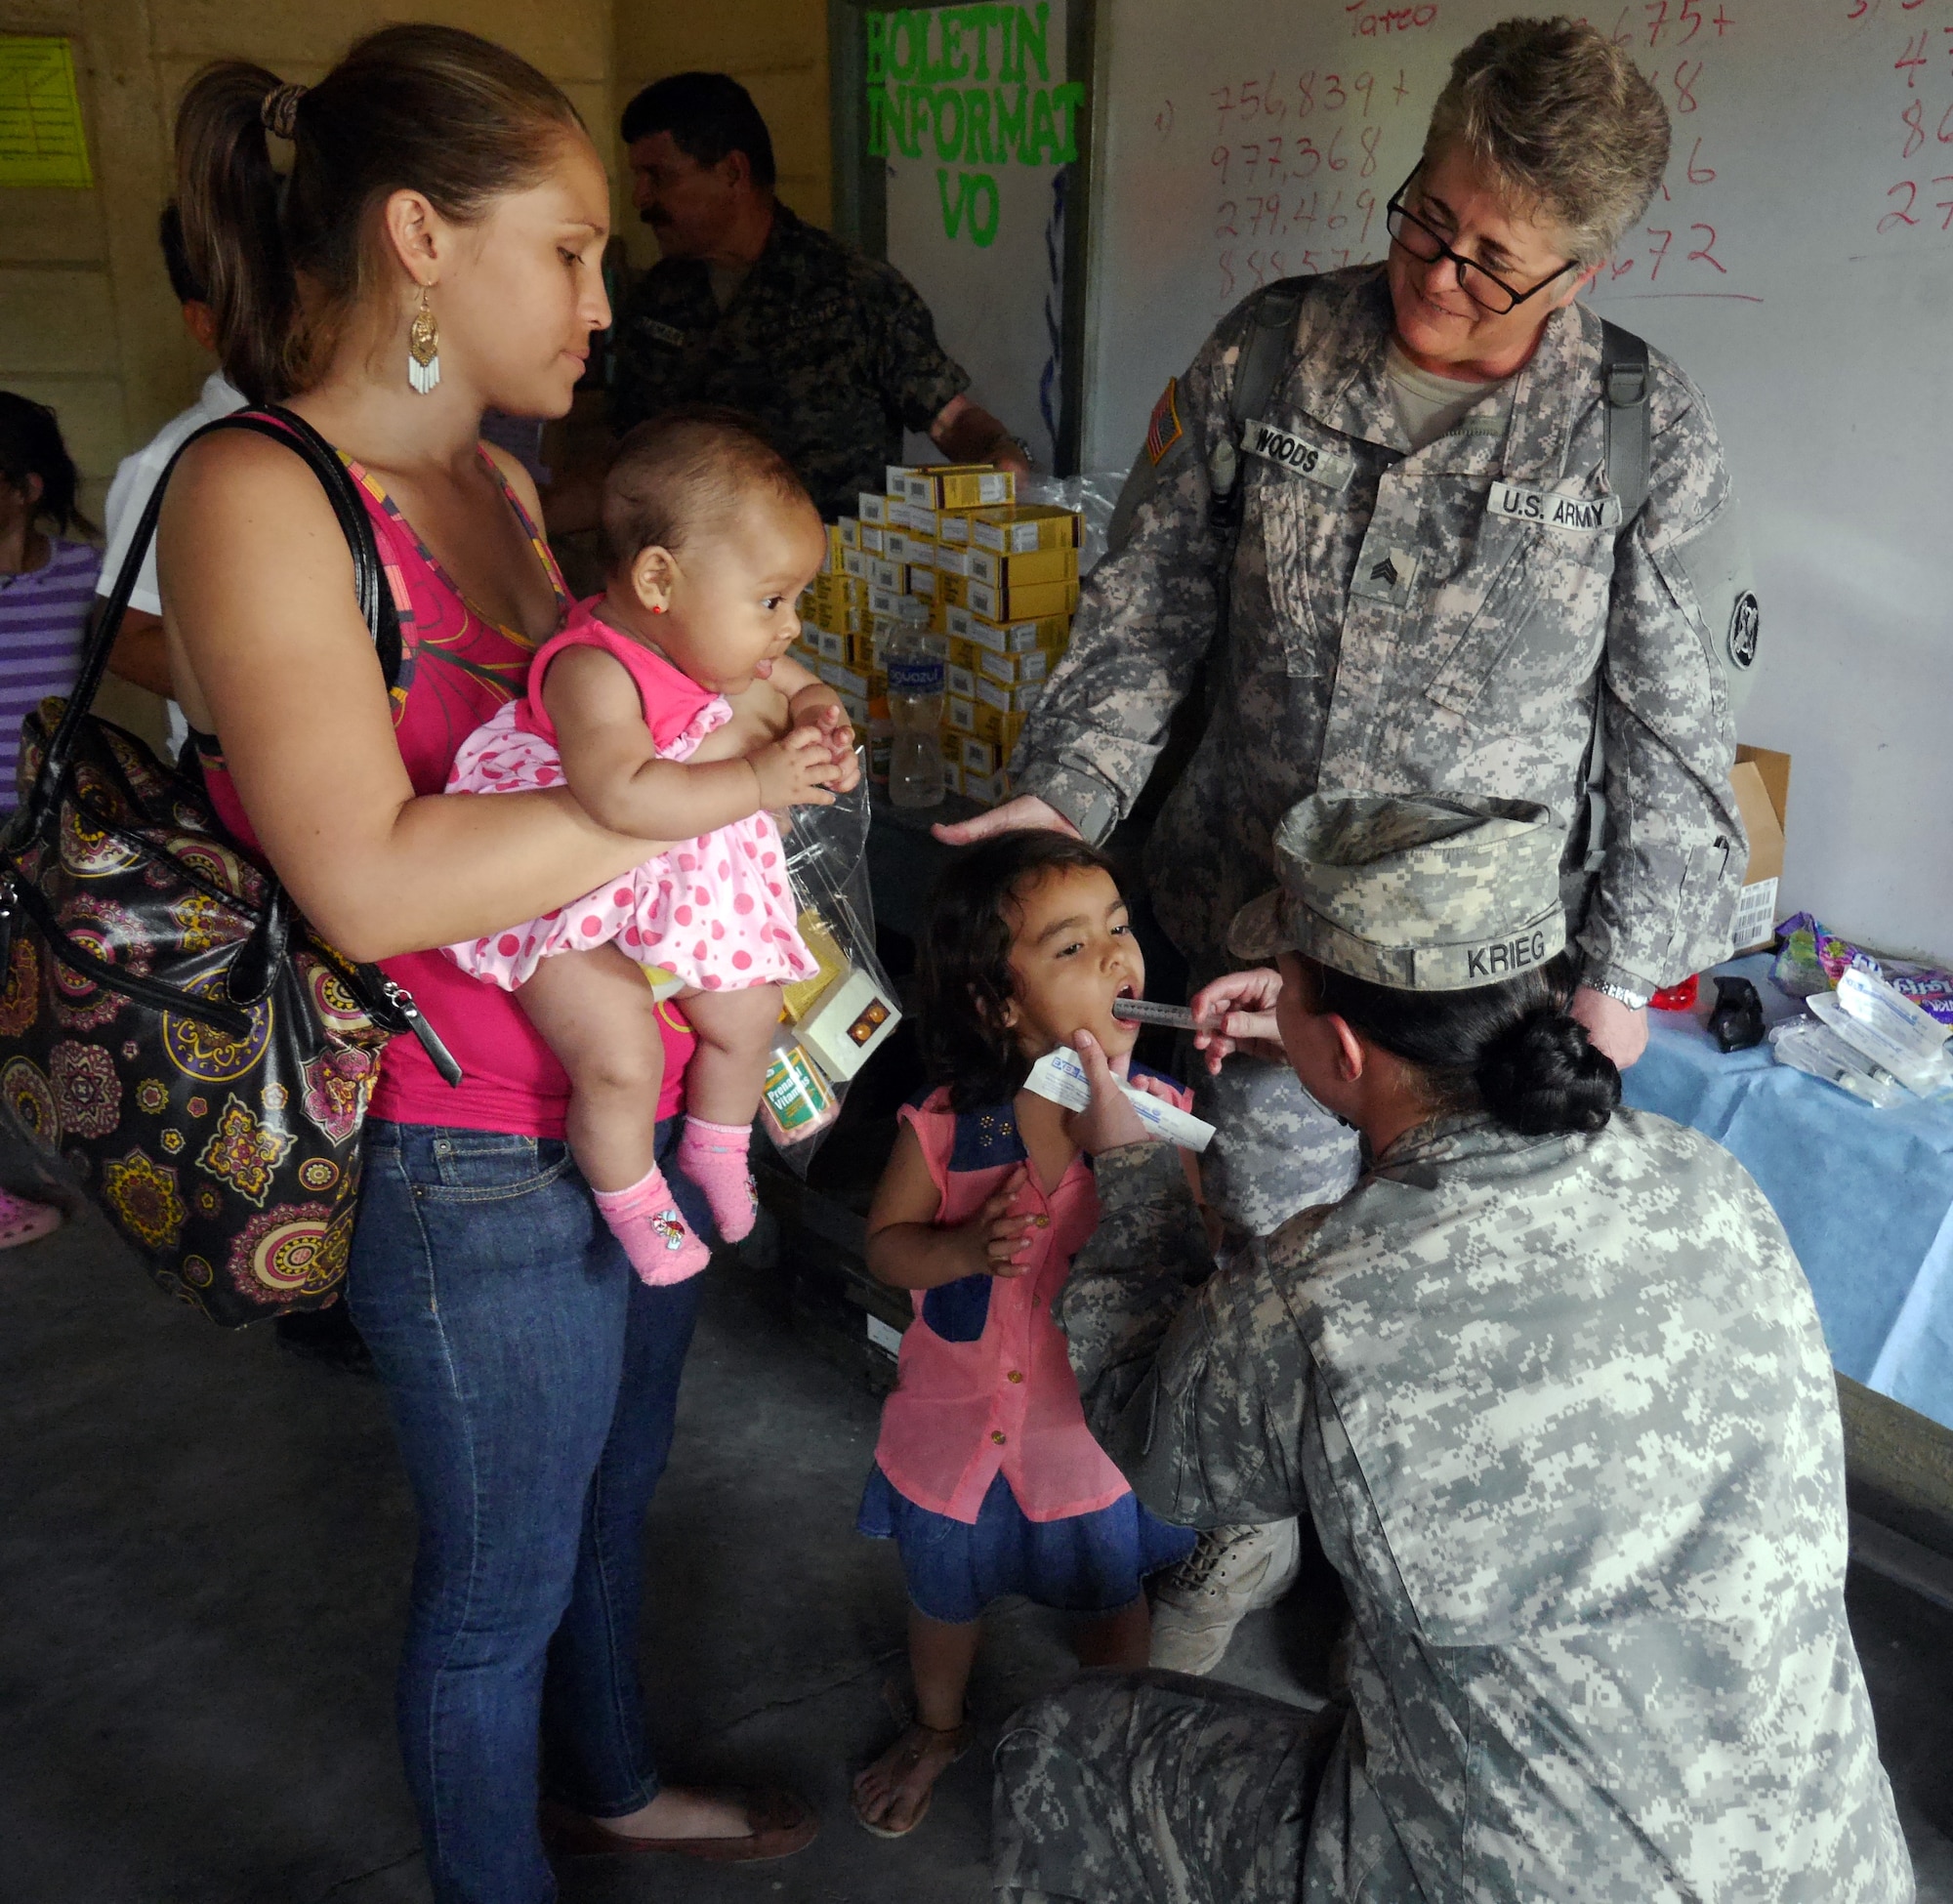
x=994, y=582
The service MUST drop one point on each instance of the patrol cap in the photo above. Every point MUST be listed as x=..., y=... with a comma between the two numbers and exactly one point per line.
x=1432, y=893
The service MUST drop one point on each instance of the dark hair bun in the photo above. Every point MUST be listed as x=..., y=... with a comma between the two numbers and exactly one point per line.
x=1543, y=1076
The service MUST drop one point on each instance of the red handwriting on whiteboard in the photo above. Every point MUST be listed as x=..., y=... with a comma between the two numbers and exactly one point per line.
x=1369, y=21
x=1905, y=205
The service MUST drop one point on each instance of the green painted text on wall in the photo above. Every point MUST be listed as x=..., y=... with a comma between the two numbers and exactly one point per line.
x=936, y=89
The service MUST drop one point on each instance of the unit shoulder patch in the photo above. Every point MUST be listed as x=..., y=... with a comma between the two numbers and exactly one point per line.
x=1164, y=431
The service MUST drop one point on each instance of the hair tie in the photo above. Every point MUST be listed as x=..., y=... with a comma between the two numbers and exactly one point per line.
x=278, y=110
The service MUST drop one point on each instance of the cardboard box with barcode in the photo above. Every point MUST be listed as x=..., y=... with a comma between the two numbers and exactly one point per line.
x=1019, y=601
x=1023, y=528
x=1028, y=570
x=952, y=485
x=1760, y=783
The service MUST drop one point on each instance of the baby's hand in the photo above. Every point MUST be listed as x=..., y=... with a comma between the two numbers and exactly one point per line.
x=796, y=770
x=996, y=1239
x=820, y=708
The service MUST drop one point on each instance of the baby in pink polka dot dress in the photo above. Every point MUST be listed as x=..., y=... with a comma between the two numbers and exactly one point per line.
x=712, y=539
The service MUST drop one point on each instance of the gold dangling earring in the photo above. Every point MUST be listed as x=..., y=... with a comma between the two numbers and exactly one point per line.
x=423, y=350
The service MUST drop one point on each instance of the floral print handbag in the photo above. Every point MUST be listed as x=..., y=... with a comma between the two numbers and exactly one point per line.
x=169, y=1028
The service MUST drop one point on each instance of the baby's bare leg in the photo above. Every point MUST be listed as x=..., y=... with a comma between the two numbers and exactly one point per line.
x=595, y=1012
x=722, y=1093
x=735, y=1031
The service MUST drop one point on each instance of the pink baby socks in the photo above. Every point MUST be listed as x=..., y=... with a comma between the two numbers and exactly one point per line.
x=714, y=1157
x=660, y=1242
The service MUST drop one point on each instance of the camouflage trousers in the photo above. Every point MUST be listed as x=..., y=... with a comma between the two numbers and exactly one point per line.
x=1275, y=1150
x=1152, y=1788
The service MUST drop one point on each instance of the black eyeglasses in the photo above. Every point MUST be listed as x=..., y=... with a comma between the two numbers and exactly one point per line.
x=1490, y=293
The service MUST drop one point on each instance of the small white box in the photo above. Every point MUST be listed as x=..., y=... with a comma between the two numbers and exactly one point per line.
x=849, y=1025
x=874, y=509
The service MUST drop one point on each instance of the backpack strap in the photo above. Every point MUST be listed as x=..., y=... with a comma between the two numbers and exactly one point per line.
x=1265, y=356
x=1624, y=386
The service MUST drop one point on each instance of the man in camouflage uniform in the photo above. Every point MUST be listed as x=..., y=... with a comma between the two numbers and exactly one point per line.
x=752, y=308
x=1561, y=1412
x=1432, y=588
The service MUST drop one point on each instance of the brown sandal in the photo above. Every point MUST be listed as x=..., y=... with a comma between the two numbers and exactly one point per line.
x=779, y=1823
x=912, y=1757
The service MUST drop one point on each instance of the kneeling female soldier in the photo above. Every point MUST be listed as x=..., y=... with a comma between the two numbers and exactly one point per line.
x=1549, y=1382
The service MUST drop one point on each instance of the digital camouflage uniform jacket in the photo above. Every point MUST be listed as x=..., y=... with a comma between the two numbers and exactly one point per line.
x=1564, y=1417
x=834, y=354
x=1393, y=633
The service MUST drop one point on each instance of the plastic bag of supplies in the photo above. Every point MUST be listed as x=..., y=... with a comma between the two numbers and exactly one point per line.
x=837, y=1020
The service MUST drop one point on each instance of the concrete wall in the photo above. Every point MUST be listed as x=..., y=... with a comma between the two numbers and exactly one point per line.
x=776, y=49
x=87, y=321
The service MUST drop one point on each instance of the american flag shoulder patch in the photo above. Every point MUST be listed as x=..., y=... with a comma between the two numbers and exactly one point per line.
x=1164, y=431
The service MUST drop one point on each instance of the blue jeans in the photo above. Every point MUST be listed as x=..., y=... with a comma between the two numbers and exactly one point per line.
x=533, y=1382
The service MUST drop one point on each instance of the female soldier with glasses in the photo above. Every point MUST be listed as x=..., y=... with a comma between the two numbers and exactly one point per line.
x=1427, y=584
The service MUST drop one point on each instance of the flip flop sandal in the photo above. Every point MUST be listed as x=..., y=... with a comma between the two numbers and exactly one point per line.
x=23, y=1221
x=911, y=1758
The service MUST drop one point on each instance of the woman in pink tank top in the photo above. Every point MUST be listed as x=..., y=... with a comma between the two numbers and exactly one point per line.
x=445, y=214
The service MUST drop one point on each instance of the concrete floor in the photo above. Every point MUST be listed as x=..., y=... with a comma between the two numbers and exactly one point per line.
x=203, y=1562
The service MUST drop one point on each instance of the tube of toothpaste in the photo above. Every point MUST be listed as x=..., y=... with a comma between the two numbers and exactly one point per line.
x=1060, y=1076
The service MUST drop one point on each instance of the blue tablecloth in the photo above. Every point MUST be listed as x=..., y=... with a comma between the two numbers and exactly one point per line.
x=1866, y=1195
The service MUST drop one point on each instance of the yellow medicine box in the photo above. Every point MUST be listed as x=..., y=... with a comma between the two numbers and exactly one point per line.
x=1029, y=569
x=1023, y=528
x=1049, y=633
x=952, y=528
x=800, y=997
x=958, y=713
x=1031, y=602
x=874, y=539
x=1015, y=669
x=874, y=509
x=966, y=487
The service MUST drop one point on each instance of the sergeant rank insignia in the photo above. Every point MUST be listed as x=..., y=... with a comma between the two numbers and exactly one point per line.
x=1164, y=431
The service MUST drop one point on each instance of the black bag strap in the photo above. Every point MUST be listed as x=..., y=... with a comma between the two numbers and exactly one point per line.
x=259, y=961
x=1623, y=382
x=1265, y=355
x=1624, y=388
x=369, y=581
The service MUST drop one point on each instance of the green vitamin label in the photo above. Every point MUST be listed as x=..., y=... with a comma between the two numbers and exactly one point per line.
x=793, y=1093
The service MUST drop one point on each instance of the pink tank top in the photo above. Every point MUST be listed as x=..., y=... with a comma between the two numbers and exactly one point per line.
x=457, y=667
x=672, y=699
x=984, y=1384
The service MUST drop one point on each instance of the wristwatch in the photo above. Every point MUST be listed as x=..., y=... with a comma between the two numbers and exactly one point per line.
x=1633, y=1001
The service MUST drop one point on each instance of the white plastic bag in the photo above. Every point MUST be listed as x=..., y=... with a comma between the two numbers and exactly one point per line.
x=841, y=1018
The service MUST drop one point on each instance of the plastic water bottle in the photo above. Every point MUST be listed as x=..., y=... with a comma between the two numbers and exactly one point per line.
x=915, y=710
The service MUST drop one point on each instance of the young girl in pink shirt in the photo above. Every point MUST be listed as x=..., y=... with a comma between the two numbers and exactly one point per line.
x=711, y=539
x=985, y=1475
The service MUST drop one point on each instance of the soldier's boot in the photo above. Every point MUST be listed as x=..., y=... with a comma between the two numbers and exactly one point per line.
x=1233, y=1572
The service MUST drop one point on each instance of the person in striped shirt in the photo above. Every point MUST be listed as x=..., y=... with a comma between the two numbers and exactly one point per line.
x=47, y=583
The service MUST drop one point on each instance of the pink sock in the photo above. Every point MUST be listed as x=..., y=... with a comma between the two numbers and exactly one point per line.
x=658, y=1240
x=714, y=1157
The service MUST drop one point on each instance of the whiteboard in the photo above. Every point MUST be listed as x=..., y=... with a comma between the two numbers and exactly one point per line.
x=990, y=268
x=1798, y=265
